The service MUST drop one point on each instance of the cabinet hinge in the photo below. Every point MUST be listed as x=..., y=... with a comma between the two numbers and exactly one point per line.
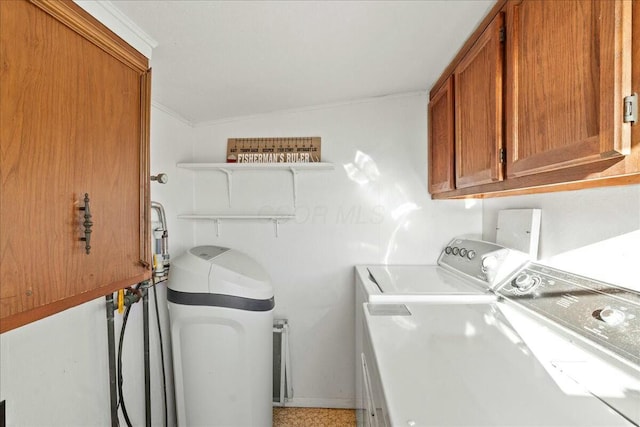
x=503, y=155
x=631, y=109
x=502, y=35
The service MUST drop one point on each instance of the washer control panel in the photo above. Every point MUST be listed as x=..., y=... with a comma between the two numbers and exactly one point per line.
x=482, y=261
x=601, y=312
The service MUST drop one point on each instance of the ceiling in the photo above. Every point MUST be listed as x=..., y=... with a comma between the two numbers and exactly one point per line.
x=217, y=60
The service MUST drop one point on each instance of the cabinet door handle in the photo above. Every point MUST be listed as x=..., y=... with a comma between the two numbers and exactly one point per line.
x=87, y=224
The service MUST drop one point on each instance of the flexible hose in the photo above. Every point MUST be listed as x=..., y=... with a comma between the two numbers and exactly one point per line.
x=164, y=377
x=121, y=403
x=120, y=394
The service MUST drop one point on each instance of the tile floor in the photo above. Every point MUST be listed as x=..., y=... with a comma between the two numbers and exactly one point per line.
x=313, y=417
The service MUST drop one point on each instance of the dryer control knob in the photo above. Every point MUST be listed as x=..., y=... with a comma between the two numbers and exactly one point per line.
x=525, y=281
x=447, y=250
x=471, y=254
x=611, y=316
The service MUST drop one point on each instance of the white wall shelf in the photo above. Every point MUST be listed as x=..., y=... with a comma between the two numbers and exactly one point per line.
x=216, y=218
x=229, y=168
x=314, y=166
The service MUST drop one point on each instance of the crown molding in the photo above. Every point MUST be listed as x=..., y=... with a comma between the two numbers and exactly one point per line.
x=108, y=14
x=168, y=111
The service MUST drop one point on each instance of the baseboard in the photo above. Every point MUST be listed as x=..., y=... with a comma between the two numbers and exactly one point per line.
x=299, y=402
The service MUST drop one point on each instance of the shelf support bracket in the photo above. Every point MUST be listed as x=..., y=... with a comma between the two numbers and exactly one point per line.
x=216, y=223
x=229, y=174
x=276, y=225
x=294, y=175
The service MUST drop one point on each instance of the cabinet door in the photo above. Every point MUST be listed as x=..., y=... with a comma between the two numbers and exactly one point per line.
x=478, y=107
x=441, y=137
x=566, y=77
x=74, y=120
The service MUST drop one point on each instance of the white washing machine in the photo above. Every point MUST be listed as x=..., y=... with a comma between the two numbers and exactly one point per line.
x=221, y=311
x=467, y=271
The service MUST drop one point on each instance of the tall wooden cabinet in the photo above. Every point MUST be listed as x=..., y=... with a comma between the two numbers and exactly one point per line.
x=539, y=93
x=74, y=104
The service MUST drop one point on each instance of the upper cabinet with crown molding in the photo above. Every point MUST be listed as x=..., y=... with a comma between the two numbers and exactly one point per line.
x=74, y=119
x=539, y=92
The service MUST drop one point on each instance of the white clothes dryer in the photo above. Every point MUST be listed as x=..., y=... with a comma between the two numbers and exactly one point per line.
x=458, y=365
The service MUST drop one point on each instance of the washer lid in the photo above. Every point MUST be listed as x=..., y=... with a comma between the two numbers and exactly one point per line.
x=423, y=283
x=416, y=279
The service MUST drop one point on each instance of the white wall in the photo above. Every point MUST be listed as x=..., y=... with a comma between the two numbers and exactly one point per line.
x=593, y=232
x=54, y=372
x=383, y=214
x=171, y=143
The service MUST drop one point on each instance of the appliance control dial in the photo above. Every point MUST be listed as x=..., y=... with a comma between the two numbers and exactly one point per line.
x=447, y=250
x=489, y=262
x=463, y=252
x=471, y=254
x=525, y=282
x=455, y=250
x=612, y=316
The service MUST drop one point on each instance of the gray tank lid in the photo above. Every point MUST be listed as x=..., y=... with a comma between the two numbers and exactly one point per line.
x=208, y=252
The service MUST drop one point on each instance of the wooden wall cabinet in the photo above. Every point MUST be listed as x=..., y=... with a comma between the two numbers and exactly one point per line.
x=441, y=139
x=566, y=69
x=567, y=73
x=478, y=109
x=74, y=104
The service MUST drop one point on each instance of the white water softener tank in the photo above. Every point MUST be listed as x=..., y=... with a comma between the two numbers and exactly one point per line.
x=221, y=312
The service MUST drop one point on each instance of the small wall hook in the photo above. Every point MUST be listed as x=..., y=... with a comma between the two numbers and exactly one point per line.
x=162, y=178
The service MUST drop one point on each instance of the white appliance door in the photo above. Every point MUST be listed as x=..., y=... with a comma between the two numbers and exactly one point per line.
x=464, y=365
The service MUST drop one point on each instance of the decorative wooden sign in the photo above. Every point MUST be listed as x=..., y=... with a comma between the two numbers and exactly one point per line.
x=273, y=150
